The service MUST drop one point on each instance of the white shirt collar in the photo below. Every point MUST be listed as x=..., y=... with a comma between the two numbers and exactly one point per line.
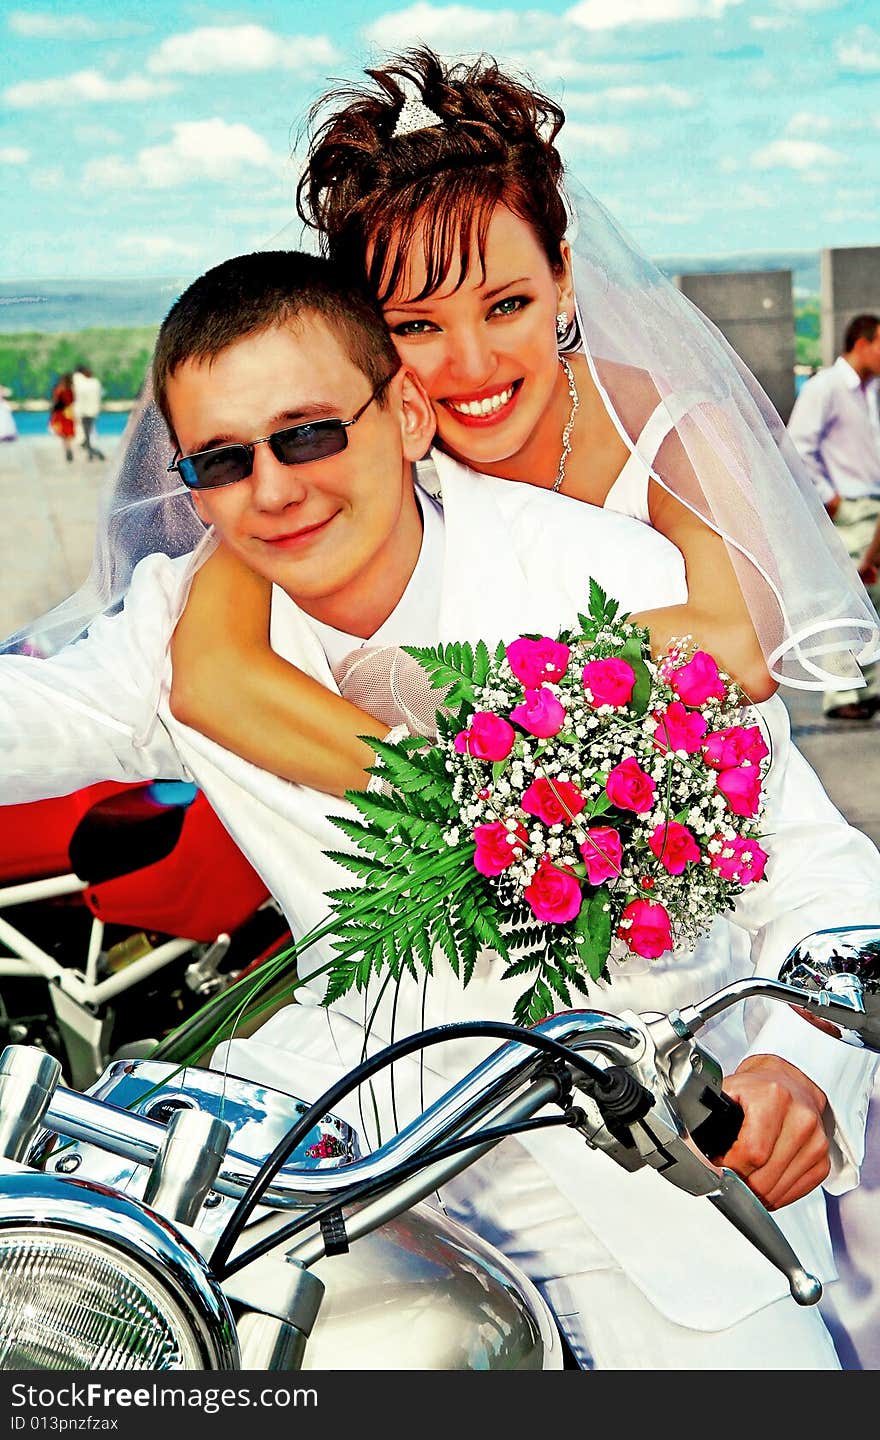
x=847, y=373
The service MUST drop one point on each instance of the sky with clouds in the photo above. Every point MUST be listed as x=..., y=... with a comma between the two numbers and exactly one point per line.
x=156, y=139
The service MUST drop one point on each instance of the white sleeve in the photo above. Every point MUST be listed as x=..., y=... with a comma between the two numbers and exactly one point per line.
x=807, y=427
x=90, y=712
x=821, y=873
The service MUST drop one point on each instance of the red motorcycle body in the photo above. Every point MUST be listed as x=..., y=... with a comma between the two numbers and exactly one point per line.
x=200, y=888
x=122, y=908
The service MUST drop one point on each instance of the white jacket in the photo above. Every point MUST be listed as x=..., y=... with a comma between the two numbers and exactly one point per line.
x=517, y=559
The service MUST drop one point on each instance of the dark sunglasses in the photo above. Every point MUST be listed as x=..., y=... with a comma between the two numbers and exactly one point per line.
x=296, y=445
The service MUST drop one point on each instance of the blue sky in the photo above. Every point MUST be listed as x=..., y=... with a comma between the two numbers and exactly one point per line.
x=156, y=139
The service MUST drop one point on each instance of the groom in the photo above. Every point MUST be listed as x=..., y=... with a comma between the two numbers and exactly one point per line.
x=637, y=1272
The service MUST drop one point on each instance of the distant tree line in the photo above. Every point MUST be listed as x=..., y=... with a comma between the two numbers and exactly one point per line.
x=32, y=361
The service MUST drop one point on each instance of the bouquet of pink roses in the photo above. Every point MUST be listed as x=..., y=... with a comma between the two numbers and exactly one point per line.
x=582, y=801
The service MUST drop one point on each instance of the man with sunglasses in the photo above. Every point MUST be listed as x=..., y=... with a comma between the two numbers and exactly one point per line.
x=296, y=432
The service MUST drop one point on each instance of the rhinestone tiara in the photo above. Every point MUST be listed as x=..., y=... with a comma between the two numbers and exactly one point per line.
x=414, y=115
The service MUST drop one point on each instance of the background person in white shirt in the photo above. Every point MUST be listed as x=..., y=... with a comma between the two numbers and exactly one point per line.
x=87, y=395
x=835, y=425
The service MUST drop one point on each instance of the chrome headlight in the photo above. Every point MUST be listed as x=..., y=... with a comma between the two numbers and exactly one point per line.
x=91, y=1280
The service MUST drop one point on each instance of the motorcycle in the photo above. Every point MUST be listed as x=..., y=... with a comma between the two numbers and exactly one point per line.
x=170, y=1219
x=122, y=909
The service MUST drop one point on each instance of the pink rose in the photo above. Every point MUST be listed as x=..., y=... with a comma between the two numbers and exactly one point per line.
x=741, y=788
x=610, y=682
x=535, y=662
x=725, y=748
x=488, y=738
x=553, y=801
x=497, y=847
x=697, y=680
x=674, y=846
x=541, y=714
x=740, y=860
x=603, y=854
x=649, y=932
x=629, y=788
x=678, y=729
x=554, y=894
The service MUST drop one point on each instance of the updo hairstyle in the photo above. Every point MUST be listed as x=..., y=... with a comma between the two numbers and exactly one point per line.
x=371, y=194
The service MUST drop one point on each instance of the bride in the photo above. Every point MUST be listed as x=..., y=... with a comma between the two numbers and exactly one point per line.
x=555, y=356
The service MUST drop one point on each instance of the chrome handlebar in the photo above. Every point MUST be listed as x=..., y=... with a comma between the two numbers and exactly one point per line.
x=139, y=1139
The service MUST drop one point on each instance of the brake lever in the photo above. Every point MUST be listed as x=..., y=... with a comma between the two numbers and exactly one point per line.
x=742, y=1208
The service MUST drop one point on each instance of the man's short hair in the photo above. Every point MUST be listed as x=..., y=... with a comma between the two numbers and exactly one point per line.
x=252, y=293
x=861, y=327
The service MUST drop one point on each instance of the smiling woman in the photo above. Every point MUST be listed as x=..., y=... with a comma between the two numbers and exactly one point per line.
x=486, y=350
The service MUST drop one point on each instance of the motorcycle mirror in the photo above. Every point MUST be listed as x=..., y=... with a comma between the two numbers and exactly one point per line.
x=833, y=961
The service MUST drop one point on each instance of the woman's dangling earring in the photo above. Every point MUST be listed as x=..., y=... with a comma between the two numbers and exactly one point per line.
x=562, y=326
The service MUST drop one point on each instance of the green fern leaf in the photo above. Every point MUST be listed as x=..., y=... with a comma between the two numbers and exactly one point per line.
x=482, y=663
x=597, y=602
x=525, y=966
x=556, y=980
x=442, y=934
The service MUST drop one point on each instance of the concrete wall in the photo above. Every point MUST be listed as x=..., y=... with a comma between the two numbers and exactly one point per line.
x=850, y=286
x=755, y=313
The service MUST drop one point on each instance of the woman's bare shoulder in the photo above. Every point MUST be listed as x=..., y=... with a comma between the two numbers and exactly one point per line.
x=630, y=388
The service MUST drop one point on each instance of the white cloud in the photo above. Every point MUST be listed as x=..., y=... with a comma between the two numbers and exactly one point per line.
x=14, y=155
x=239, y=48
x=465, y=25
x=101, y=135
x=158, y=247
x=687, y=215
x=463, y=28
x=267, y=220
x=806, y=124
x=562, y=65
x=751, y=197
x=811, y=6
x=555, y=68
x=53, y=178
x=796, y=155
x=607, y=139
x=84, y=87
x=671, y=95
x=770, y=22
x=609, y=14
x=200, y=151
x=860, y=51
x=41, y=25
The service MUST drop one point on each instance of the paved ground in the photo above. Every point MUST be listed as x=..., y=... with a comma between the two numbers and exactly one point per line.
x=45, y=547
x=48, y=509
